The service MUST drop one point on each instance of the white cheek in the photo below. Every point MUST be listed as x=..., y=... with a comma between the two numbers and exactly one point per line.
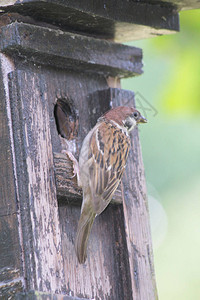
x=134, y=123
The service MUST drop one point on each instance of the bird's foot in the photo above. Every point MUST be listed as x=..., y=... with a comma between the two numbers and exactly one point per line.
x=75, y=165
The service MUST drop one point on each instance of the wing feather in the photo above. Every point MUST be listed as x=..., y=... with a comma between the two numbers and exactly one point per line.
x=109, y=147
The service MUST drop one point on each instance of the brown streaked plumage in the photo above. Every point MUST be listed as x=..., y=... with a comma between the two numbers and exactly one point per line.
x=102, y=161
x=108, y=164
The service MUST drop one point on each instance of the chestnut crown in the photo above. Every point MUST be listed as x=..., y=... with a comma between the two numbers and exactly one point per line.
x=125, y=116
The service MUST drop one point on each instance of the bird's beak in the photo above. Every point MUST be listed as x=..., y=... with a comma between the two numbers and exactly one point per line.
x=142, y=120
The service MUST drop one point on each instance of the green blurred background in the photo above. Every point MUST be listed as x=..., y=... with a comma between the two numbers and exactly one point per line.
x=171, y=153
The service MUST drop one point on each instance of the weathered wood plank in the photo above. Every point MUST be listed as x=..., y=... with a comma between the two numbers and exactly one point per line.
x=109, y=226
x=181, y=4
x=135, y=219
x=10, y=252
x=100, y=8
x=102, y=276
x=35, y=295
x=49, y=230
x=69, y=50
x=106, y=274
x=34, y=155
x=35, y=182
x=117, y=20
x=136, y=214
x=66, y=184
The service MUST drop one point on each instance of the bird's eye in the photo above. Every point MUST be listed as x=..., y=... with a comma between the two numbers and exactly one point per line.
x=135, y=115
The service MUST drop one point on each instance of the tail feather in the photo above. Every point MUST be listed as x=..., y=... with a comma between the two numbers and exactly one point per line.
x=84, y=227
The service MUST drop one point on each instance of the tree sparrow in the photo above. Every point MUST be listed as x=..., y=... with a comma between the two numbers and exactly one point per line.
x=102, y=161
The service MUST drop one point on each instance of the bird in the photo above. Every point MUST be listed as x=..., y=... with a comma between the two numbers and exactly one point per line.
x=102, y=161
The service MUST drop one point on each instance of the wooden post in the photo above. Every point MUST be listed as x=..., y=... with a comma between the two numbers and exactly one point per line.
x=58, y=62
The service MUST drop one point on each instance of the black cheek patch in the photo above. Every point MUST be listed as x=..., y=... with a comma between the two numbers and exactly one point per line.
x=128, y=124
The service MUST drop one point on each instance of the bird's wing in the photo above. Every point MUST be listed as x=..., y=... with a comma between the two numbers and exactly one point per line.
x=109, y=147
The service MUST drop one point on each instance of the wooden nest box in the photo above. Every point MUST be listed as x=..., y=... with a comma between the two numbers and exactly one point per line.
x=60, y=69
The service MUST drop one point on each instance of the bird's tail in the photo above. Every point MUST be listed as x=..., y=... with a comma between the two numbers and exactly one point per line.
x=84, y=227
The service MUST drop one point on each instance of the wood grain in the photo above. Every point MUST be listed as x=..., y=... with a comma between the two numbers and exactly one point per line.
x=35, y=177
x=112, y=20
x=101, y=10
x=10, y=255
x=101, y=277
x=61, y=50
x=44, y=296
x=136, y=214
x=119, y=264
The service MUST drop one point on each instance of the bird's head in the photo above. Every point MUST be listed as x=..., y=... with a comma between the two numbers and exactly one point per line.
x=127, y=117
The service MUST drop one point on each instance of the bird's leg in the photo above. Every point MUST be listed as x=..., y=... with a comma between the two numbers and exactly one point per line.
x=75, y=165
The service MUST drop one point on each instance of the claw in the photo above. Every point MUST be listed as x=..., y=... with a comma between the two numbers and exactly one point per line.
x=75, y=165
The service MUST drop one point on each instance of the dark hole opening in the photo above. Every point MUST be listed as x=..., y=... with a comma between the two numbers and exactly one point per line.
x=66, y=117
